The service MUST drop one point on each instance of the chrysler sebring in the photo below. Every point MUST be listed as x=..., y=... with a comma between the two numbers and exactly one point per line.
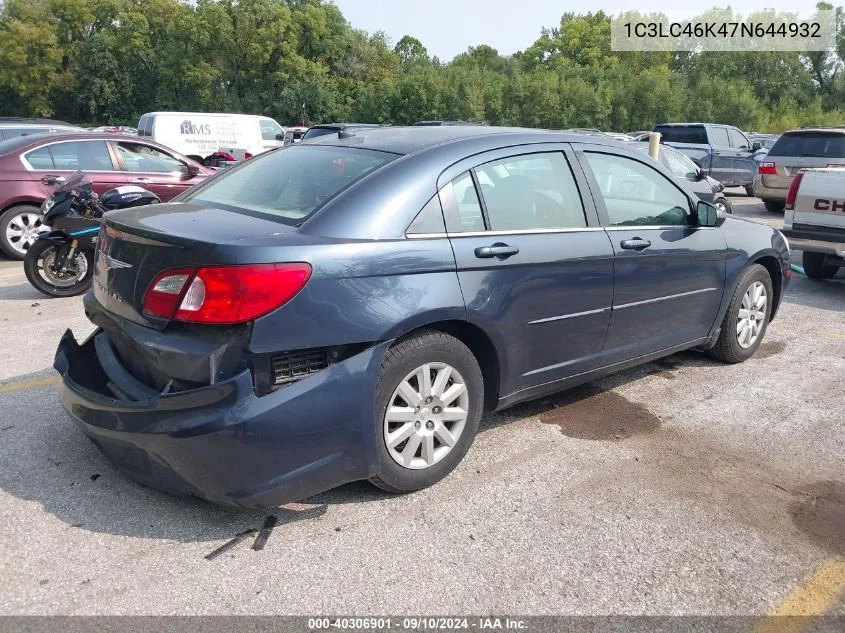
x=348, y=307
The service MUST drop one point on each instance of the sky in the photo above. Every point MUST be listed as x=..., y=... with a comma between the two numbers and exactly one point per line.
x=447, y=27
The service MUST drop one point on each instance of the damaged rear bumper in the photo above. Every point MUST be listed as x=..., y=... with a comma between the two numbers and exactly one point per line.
x=222, y=442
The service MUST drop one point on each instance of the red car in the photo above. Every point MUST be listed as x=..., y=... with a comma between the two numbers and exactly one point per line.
x=109, y=160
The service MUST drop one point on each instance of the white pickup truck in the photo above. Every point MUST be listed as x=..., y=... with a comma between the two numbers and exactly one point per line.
x=814, y=220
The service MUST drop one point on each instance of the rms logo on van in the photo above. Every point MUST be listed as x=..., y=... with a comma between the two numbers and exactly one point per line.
x=189, y=128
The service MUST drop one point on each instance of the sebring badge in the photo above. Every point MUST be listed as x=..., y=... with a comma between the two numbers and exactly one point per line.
x=110, y=262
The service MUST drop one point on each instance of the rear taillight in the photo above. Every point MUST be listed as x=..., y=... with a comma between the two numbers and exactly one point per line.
x=224, y=294
x=793, y=191
x=247, y=155
x=768, y=169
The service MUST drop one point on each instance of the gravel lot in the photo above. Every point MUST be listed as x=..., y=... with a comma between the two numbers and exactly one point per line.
x=681, y=487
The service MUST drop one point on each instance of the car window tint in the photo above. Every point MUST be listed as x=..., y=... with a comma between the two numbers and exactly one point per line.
x=679, y=164
x=719, y=137
x=40, y=158
x=465, y=199
x=810, y=145
x=737, y=140
x=318, y=131
x=269, y=130
x=637, y=195
x=428, y=220
x=683, y=134
x=139, y=157
x=534, y=191
x=84, y=155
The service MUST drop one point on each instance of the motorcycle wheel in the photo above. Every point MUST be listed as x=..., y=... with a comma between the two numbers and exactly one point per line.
x=77, y=280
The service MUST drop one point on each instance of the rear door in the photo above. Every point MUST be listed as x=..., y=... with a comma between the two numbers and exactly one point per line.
x=801, y=149
x=63, y=158
x=153, y=169
x=669, y=273
x=722, y=163
x=535, y=268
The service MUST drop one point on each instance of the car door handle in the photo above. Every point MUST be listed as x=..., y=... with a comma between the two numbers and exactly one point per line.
x=635, y=244
x=51, y=180
x=498, y=250
x=142, y=180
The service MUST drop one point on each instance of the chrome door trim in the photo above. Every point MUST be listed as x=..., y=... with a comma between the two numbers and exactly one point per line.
x=573, y=315
x=666, y=298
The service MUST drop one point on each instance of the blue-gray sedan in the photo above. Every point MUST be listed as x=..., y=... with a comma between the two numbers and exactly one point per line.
x=347, y=308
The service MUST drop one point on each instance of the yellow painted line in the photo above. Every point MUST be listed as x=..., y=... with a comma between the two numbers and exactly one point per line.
x=811, y=598
x=35, y=383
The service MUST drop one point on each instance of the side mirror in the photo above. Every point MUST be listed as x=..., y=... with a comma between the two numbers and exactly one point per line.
x=280, y=137
x=708, y=215
x=700, y=175
x=756, y=145
x=191, y=169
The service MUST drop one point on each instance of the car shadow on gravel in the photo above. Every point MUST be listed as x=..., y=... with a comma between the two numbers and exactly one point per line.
x=47, y=460
x=21, y=292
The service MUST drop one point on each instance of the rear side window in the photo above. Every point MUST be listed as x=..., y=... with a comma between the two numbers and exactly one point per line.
x=40, y=158
x=683, y=134
x=72, y=156
x=637, y=195
x=429, y=220
x=289, y=184
x=810, y=145
x=535, y=191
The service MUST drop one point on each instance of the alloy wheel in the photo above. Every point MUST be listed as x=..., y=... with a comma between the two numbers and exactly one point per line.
x=426, y=416
x=23, y=229
x=752, y=315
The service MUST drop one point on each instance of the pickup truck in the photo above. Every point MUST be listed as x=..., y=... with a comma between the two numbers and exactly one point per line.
x=722, y=151
x=814, y=220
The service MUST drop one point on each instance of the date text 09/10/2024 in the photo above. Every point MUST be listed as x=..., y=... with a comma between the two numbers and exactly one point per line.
x=416, y=623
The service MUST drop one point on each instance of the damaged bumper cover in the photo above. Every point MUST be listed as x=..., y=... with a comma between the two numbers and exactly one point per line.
x=221, y=442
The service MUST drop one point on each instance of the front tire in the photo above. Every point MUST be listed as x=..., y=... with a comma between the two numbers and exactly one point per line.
x=747, y=318
x=815, y=268
x=429, y=401
x=723, y=203
x=36, y=265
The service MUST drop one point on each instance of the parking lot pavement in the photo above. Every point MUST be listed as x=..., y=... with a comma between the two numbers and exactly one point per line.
x=684, y=486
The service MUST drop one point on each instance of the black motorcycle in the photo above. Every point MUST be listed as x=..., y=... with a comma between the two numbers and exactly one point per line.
x=61, y=263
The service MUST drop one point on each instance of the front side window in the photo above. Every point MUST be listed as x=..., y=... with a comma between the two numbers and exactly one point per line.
x=269, y=129
x=737, y=140
x=533, y=191
x=637, y=195
x=143, y=158
x=72, y=156
x=719, y=137
x=291, y=183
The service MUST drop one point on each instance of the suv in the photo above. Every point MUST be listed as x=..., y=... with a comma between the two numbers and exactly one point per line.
x=10, y=127
x=793, y=151
x=722, y=151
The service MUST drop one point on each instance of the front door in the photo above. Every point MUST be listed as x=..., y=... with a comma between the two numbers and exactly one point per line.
x=722, y=161
x=744, y=165
x=669, y=273
x=535, y=268
x=154, y=170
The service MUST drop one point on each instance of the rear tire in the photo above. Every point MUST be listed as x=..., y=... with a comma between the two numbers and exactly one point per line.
x=749, y=191
x=741, y=334
x=32, y=267
x=432, y=438
x=815, y=268
x=774, y=206
x=6, y=219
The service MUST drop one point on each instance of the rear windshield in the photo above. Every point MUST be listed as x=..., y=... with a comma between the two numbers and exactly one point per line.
x=314, y=132
x=810, y=144
x=683, y=134
x=289, y=184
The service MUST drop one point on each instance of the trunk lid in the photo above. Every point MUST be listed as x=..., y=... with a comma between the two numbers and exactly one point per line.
x=136, y=245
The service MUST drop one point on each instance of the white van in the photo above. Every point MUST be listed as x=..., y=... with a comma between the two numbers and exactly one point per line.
x=200, y=134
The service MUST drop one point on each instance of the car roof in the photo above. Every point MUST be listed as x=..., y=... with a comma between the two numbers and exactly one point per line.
x=412, y=139
x=343, y=126
x=26, y=121
x=817, y=129
x=23, y=143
